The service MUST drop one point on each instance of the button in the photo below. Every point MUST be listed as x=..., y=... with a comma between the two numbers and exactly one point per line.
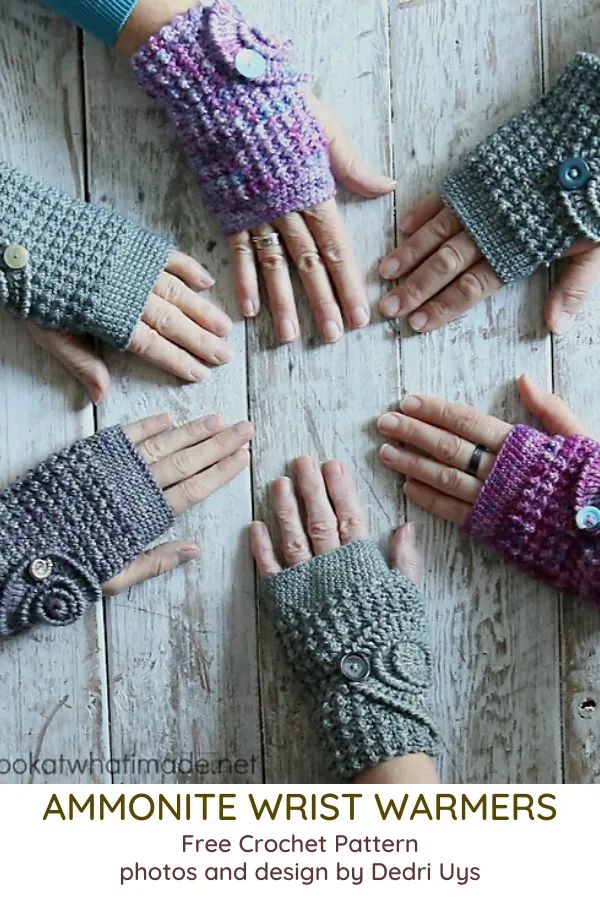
x=355, y=666
x=250, y=63
x=16, y=256
x=574, y=173
x=40, y=569
x=588, y=518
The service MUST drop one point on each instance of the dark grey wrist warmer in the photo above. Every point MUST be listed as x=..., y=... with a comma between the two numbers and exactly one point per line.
x=72, y=266
x=354, y=631
x=530, y=190
x=70, y=525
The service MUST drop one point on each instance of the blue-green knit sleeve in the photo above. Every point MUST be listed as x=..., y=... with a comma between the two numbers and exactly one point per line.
x=102, y=18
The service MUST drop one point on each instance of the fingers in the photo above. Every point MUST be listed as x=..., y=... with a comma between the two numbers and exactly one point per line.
x=307, y=259
x=327, y=227
x=550, y=409
x=420, y=213
x=77, y=356
x=469, y=289
x=580, y=275
x=177, y=328
x=464, y=421
x=351, y=519
x=155, y=562
x=321, y=521
x=185, y=463
x=148, y=428
x=446, y=479
x=420, y=245
x=157, y=448
x=278, y=285
x=440, y=505
x=262, y=550
x=245, y=274
x=194, y=490
x=405, y=555
x=293, y=539
x=148, y=344
x=189, y=270
x=195, y=307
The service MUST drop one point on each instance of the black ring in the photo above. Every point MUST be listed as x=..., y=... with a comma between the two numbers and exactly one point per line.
x=473, y=467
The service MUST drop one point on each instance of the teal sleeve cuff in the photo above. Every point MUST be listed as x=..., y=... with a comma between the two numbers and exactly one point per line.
x=102, y=18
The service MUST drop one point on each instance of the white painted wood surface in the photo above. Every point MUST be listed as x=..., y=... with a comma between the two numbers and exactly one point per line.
x=186, y=666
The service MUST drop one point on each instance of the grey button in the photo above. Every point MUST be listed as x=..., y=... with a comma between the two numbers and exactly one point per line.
x=574, y=173
x=40, y=569
x=355, y=666
x=250, y=63
x=16, y=256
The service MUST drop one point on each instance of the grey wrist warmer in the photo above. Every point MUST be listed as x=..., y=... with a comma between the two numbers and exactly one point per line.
x=71, y=524
x=354, y=631
x=530, y=190
x=72, y=266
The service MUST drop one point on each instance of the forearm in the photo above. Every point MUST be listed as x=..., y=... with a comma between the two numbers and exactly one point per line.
x=147, y=18
x=416, y=768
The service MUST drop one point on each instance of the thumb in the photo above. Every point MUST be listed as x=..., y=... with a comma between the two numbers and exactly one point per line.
x=347, y=166
x=572, y=289
x=151, y=564
x=550, y=409
x=405, y=555
x=77, y=357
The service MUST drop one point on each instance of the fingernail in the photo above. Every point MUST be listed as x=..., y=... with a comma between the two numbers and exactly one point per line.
x=410, y=404
x=331, y=332
x=562, y=323
x=389, y=267
x=405, y=222
x=248, y=308
x=287, y=331
x=387, y=422
x=389, y=453
x=187, y=553
x=224, y=355
x=418, y=321
x=211, y=423
x=198, y=373
x=390, y=305
x=410, y=531
x=165, y=420
x=360, y=318
x=206, y=277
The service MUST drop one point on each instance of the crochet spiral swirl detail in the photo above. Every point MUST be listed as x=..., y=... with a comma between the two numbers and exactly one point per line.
x=350, y=603
x=255, y=147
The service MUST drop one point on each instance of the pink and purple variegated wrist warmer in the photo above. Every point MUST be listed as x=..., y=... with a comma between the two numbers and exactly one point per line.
x=540, y=508
x=240, y=110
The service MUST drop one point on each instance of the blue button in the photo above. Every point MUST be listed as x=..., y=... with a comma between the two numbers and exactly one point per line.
x=588, y=518
x=355, y=666
x=574, y=173
x=250, y=63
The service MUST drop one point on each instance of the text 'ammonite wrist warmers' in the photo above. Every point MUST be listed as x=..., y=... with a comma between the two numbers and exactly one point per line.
x=241, y=114
x=354, y=631
x=540, y=508
x=530, y=190
x=70, y=525
x=72, y=266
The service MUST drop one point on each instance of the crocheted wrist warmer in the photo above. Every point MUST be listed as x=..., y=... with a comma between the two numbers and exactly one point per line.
x=539, y=507
x=72, y=266
x=72, y=524
x=533, y=187
x=241, y=114
x=354, y=631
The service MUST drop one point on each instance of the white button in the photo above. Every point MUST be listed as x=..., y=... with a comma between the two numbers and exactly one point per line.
x=250, y=63
x=16, y=256
x=40, y=569
x=588, y=518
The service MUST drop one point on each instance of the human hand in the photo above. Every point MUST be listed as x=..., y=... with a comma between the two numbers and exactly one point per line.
x=445, y=274
x=318, y=246
x=189, y=463
x=442, y=437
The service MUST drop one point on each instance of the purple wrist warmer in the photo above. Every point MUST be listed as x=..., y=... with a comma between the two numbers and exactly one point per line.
x=241, y=114
x=540, y=508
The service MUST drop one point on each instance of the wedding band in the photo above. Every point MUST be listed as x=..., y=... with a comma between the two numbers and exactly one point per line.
x=476, y=456
x=264, y=241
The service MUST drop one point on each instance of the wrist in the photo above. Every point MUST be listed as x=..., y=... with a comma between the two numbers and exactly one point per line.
x=147, y=18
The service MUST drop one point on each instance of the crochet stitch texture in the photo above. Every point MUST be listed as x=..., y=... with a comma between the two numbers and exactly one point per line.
x=527, y=507
x=507, y=193
x=89, y=269
x=252, y=142
x=72, y=523
x=350, y=601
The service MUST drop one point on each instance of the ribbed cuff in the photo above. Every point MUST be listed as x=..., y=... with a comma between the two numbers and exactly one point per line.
x=104, y=19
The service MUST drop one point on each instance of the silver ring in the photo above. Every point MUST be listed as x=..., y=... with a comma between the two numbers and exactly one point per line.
x=264, y=241
x=476, y=457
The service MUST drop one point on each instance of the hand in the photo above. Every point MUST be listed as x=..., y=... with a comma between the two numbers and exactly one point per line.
x=442, y=437
x=445, y=274
x=189, y=463
x=334, y=517
x=177, y=330
x=318, y=244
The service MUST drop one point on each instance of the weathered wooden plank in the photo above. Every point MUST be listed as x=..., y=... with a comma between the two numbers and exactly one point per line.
x=569, y=26
x=310, y=398
x=459, y=70
x=182, y=649
x=53, y=680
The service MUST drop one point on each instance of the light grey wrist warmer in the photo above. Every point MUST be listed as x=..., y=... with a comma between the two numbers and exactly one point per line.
x=70, y=525
x=532, y=188
x=354, y=631
x=72, y=266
